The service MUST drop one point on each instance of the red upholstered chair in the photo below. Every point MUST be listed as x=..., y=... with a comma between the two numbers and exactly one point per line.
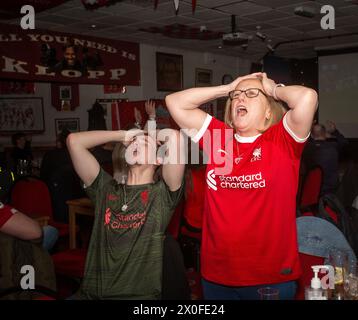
x=69, y=268
x=70, y=263
x=311, y=187
x=31, y=196
x=305, y=280
x=194, y=204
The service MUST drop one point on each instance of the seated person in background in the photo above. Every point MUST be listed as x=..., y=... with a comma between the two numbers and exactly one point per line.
x=20, y=243
x=103, y=155
x=124, y=259
x=15, y=223
x=324, y=152
x=58, y=173
x=21, y=151
x=19, y=225
x=56, y=158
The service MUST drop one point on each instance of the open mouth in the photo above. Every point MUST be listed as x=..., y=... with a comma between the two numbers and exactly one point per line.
x=241, y=111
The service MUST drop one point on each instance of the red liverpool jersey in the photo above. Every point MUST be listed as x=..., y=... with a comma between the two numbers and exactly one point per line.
x=249, y=226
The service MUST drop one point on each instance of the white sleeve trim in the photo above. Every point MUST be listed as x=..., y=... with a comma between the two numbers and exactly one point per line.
x=202, y=130
x=291, y=133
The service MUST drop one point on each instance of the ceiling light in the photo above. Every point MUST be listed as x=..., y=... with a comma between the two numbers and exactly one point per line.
x=260, y=35
x=307, y=12
x=93, y=26
x=270, y=48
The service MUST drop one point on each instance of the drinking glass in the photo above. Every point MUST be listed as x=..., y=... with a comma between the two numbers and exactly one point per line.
x=23, y=167
x=338, y=259
x=351, y=281
x=268, y=293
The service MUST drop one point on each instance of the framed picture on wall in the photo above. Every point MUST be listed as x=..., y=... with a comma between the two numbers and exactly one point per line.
x=21, y=114
x=65, y=93
x=203, y=77
x=70, y=124
x=169, y=72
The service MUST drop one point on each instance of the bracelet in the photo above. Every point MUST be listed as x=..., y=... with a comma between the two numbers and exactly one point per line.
x=274, y=90
x=152, y=118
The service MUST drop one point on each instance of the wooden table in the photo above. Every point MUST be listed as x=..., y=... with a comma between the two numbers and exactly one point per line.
x=83, y=206
x=42, y=221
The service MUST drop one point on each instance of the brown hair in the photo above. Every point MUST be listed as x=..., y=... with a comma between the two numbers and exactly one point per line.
x=277, y=112
x=121, y=167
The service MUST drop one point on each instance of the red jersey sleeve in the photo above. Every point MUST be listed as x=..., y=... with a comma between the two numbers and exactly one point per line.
x=6, y=212
x=213, y=135
x=282, y=135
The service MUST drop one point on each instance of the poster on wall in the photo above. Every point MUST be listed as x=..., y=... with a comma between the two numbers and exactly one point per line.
x=21, y=114
x=62, y=57
x=65, y=96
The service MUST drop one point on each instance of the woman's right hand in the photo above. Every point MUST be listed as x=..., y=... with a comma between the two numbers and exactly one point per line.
x=129, y=136
x=232, y=86
x=150, y=108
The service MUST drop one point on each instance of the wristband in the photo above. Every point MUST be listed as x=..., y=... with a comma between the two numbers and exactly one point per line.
x=274, y=90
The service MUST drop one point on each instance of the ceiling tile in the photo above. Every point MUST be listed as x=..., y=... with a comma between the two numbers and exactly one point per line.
x=115, y=20
x=244, y=8
x=82, y=13
x=334, y=3
x=275, y=3
x=267, y=15
x=56, y=19
x=253, y=27
x=308, y=27
x=176, y=19
x=206, y=15
x=292, y=21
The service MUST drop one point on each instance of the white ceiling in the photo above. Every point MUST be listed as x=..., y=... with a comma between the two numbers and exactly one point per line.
x=123, y=20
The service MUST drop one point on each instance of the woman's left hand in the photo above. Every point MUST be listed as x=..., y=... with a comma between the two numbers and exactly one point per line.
x=268, y=84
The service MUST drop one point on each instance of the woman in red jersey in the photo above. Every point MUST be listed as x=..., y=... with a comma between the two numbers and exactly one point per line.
x=249, y=228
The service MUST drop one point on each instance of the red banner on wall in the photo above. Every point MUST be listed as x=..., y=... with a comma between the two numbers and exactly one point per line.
x=123, y=115
x=40, y=55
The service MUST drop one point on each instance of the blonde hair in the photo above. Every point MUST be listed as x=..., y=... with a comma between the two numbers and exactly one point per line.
x=277, y=111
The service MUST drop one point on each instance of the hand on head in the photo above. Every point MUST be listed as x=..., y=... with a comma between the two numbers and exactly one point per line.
x=267, y=83
x=131, y=135
x=236, y=82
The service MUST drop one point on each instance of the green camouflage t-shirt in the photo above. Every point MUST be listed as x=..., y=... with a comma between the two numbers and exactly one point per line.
x=124, y=259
